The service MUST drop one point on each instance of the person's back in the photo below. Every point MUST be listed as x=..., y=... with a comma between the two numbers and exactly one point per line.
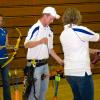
x=76, y=51
x=75, y=43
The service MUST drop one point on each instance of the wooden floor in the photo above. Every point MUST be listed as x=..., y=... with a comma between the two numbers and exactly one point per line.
x=64, y=90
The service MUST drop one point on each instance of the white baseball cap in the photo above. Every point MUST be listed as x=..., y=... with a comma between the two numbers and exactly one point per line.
x=51, y=11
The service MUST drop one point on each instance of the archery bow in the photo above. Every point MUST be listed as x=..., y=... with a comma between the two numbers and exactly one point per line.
x=15, y=49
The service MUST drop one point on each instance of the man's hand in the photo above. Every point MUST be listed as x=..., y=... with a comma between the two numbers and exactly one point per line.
x=96, y=58
x=44, y=41
x=1, y=47
x=56, y=57
x=61, y=62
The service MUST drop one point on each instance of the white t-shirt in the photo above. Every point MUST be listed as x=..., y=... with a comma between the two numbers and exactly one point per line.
x=75, y=44
x=37, y=32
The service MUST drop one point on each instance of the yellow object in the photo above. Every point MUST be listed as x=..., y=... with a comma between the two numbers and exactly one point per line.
x=17, y=44
x=9, y=74
x=16, y=72
x=16, y=48
x=33, y=62
x=6, y=63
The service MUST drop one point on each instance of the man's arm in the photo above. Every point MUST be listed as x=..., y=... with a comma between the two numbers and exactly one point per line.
x=56, y=57
x=32, y=44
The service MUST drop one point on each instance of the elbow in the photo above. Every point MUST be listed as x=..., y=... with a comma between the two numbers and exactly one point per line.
x=51, y=51
x=26, y=46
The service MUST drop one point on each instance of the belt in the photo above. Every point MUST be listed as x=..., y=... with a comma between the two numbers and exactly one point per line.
x=39, y=62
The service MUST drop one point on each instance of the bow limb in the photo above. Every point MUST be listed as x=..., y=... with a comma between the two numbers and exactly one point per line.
x=8, y=61
x=19, y=39
x=17, y=29
x=15, y=49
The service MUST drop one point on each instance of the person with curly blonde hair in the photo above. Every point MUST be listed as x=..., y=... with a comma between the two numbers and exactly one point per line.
x=75, y=43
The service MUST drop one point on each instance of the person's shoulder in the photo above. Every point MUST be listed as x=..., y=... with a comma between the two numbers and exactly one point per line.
x=3, y=30
x=34, y=27
x=63, y=33
x=80, y=27
x=83, y=29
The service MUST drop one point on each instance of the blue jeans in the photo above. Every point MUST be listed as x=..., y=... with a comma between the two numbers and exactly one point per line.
x=41, y=86
x=5, y=80
x=82, y=87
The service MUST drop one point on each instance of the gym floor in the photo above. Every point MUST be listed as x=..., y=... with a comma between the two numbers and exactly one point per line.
x=64, y=92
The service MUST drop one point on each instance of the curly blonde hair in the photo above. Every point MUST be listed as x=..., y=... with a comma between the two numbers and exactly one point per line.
x=71, y=16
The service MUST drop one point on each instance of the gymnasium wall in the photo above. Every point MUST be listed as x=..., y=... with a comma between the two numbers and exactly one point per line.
x=24, y=13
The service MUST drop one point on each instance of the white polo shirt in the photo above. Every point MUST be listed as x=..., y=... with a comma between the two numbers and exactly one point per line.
x=75, y=44
x=37, y=32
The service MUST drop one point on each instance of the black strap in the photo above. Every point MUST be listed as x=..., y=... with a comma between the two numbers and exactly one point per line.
x=40, y=62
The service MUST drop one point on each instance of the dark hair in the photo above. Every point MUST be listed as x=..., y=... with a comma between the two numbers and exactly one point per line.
x=71, y=16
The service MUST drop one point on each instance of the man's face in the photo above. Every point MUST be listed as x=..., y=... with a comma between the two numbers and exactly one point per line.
x=1, y=20
x=49, y=19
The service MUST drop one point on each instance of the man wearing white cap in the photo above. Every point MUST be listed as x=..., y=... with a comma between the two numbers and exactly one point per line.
x=39, y=42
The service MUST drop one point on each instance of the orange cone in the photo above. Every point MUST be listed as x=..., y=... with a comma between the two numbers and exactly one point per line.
x=55, y=98
x=16, y=95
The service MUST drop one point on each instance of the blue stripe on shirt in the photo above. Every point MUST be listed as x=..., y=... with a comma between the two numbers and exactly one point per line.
x=82, y=31
x=36, y=29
